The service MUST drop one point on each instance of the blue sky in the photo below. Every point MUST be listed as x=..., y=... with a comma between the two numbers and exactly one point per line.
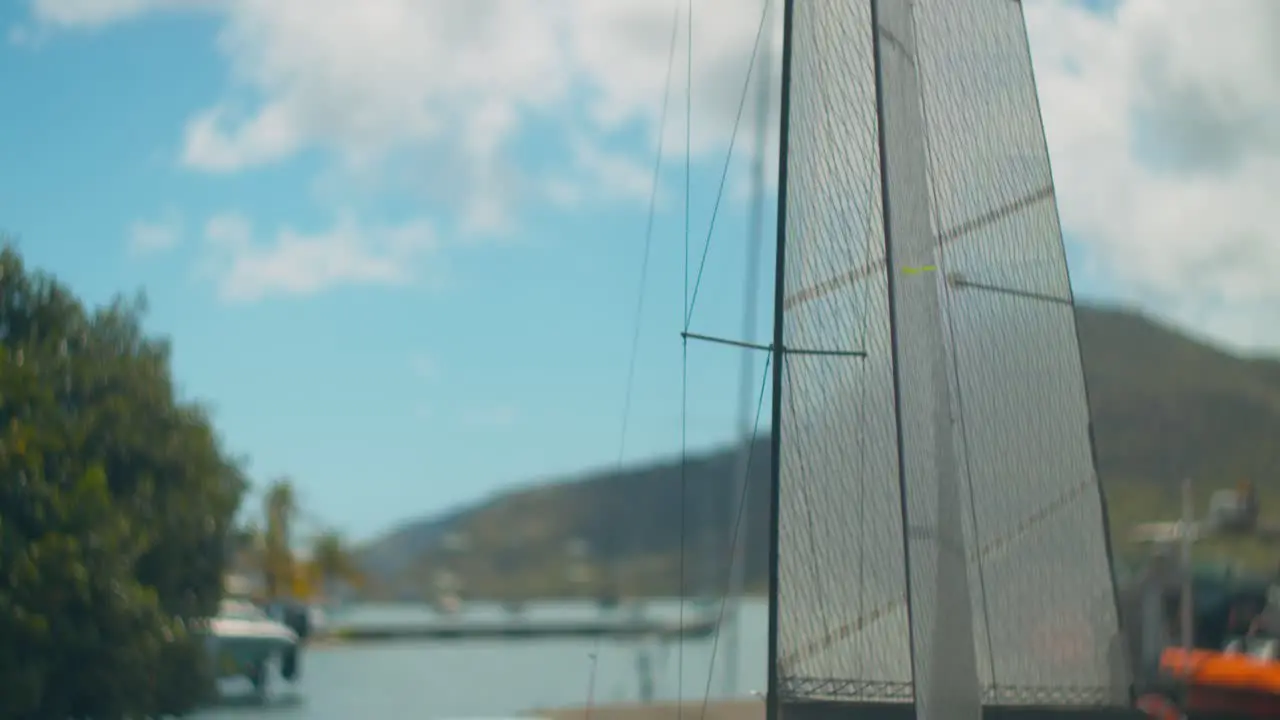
x=490, y=362
x=400, y=317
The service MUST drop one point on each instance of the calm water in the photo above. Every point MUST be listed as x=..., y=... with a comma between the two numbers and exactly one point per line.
x=452, y=679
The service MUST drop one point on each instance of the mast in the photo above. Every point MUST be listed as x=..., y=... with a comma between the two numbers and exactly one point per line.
x=747, y=373
x=938, y=601
x=878, y=79
x=772, y=701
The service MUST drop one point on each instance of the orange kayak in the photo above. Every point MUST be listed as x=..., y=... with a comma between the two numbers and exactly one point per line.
x=1224, y=682
x=1227, y=671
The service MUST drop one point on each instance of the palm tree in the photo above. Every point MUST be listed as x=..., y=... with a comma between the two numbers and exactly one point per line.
x=280, y=505
x=331, y=560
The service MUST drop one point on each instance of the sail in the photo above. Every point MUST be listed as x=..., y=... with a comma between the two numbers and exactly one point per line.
x=942, y=538
x=1037, y=537
x=842, y=615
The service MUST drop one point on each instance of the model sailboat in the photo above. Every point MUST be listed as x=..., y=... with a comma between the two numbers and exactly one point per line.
x=939, y=535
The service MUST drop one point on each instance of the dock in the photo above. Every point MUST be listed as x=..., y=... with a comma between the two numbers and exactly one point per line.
x=521, y=629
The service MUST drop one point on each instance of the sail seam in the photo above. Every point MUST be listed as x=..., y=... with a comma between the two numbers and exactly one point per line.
x=849, y=277
x=1035, y=518
x=845, y=631
x=997, y=214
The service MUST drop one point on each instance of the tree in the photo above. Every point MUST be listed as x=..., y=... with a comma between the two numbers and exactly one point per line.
x=279, y=506
x=114, y=512
x=331, y=561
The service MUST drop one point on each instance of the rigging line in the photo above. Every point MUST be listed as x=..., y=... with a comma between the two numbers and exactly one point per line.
x=751, y=317
x=684, y=502
x=648, y=242
x=644, y=280
x=728, y=158
x=960, y=281
x=737, y=527
x=769, y=348
x=684, y=355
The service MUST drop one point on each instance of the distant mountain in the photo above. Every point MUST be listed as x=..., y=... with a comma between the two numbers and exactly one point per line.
x=521, y=543
x=395, y=552
x=1165, y=406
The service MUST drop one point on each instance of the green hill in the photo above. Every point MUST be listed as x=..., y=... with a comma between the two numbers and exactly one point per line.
x=1165, y=406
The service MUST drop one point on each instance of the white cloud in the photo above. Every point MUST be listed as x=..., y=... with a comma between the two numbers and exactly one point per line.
x=1166, y=158
x=366, y=77
x=295, y=263
x=1158, y=114
x=456, y=81
x=97, y=13
x=152, y=236
x=500, y=416
x=90, y=13
x=614, y=174
x=370, y=80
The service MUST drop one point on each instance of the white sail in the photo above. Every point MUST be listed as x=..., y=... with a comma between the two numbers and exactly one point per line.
x=842, y=622
x=964, y=282
x=1039, y=557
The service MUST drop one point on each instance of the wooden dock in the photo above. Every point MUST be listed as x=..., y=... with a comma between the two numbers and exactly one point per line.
x=520, y=629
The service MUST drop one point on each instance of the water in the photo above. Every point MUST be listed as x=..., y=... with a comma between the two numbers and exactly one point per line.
x=452, y=679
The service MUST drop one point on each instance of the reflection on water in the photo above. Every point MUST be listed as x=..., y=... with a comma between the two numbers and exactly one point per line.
x=452, y=679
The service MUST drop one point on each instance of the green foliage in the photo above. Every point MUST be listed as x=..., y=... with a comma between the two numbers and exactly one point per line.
x=332, y=561
x=1165, y=406
x=279, y=506
x=114, y=511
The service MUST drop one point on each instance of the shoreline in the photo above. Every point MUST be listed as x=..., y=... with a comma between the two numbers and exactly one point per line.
x=744, y=709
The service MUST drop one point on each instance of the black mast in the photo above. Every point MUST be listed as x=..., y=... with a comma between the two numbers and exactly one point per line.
x=779, y=358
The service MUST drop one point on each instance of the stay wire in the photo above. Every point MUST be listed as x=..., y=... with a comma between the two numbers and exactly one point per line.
x=684, y=354
x=639, y=311
x=648, y=245
x=752, y=70
x=724, y=171
x=737, y=527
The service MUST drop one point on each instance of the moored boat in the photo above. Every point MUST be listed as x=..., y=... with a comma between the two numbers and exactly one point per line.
x=245, y=642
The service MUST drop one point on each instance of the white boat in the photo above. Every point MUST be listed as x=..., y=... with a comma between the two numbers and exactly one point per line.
x=244, y=642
